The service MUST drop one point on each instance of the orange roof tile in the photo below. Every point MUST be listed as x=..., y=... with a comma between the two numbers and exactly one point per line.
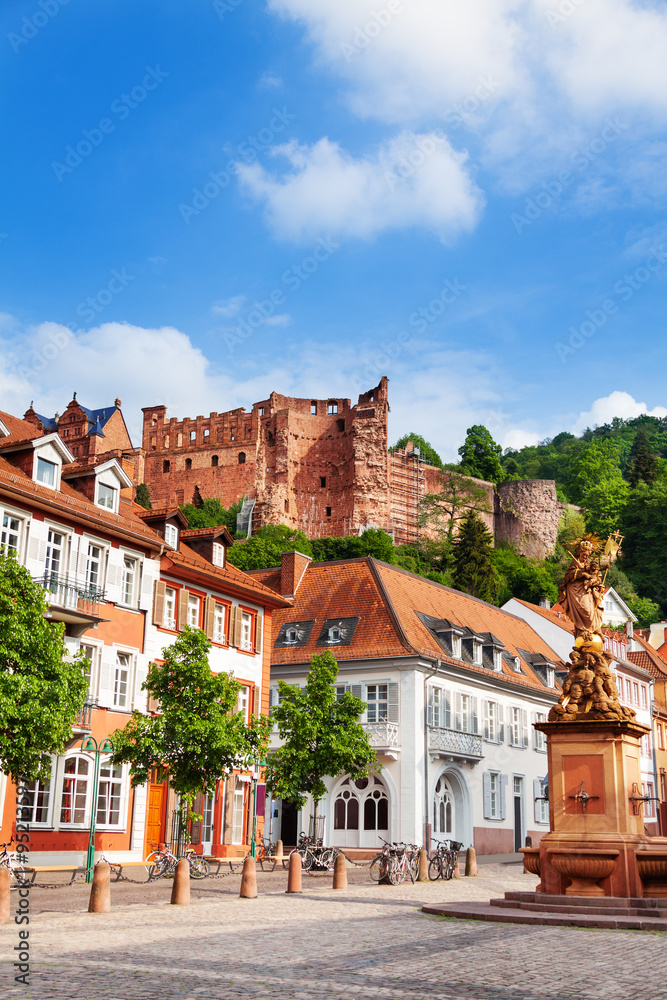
x=648, y=658
x=19, y=430
x=186, y=558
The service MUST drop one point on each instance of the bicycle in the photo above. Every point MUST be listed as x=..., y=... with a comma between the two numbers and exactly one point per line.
x=161, y=863
x=314, y=854
x=444, y=861
x=266, y=855
x=16, y=870
x=404, y=862
x=379, y=866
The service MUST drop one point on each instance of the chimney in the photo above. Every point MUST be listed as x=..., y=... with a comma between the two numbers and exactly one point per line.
x=293, y=566
x=545, y=603
x=657, y=634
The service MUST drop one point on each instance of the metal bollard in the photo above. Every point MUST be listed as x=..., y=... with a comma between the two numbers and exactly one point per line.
x=100, y=892
x=5, y=882
x=423, y=865
x=471, y=861
x=294, y=873
x=180, y=890
x=340, y=872
x=249, y=879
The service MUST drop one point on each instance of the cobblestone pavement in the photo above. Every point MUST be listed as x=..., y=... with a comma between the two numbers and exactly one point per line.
x=367, y=942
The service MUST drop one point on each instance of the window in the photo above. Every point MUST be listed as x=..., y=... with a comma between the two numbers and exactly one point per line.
x=516, y=664
x=346, y=811
x=476, y=652
x=518, y=727
x=340, y=691
x=443, y=808
x=46, y=472
x=334, y=634
x=106, y=496
x=340, y=425
x=661, y=736
x=649, y=805
x=551, y=677
x=241, y=458
x=376, y=698
x=645, y=745
x=193, y=435
x=494, y=796
x=109, y=795
x=243, y=702
x=193, y=610
x=171, y=535
x=165, y=465
x=218, y=554
x=35, y=803
x=466, y=713
x=75, y=790
x=491, y=723
x=313, y=408
x=291, y=635
x=10, y=533
x=188, y=464
x=219, y=634
x=436, y=695
x=129, y=581
x=246, y=631
x=456, y=647
x=94, y=568
x=644, y=700
x=497, y=660
x=238, y=813
x=287, y=506
x=332, y=408
x=328, y=511
x=121, y=680
x=261, y=411
x=214, y=461
x=635, y=693
x=323, y=481
x=166, y=440
x=207, y=434
x=54, y=553
x=541, y=803
x=170, y=608
x=540, y=738
x=92, y=652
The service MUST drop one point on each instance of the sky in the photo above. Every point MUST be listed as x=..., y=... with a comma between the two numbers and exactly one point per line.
x=207, y=200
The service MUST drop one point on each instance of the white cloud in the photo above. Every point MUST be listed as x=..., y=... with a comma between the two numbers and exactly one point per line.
x=228, y=307
x=413, y=180
x=616, y=404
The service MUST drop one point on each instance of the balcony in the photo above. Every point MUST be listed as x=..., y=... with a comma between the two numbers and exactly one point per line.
x=78, y=605
x=384, y=737
x=452, y=744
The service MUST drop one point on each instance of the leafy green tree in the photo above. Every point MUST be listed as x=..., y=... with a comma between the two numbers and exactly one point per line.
x=480, y=455
x=372, y=542
x=321, y=736
x=605, y=502
x=644, y=525
x=211, y=514
x=199, y=735
x=621, y=583
x=41, y=693
x=428, y=453
x=143, y=497
x=264, y=549
x=197, y=499
x=643, y=465
x=598, y=462
x=473, y=566
x=527, y=579
x=645, y=610
x=444, y=510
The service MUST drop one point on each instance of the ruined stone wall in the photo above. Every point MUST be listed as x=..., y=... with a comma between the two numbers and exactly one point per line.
x=527, y=514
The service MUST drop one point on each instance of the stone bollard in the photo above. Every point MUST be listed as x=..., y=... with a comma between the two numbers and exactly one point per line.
x=249, y=879
x=294, y=873
x=340, y=872
x=423, y=865
x=279, y=851
x=471, y=861
x=100, y=892
x=180, y=890
x=457, y=866
x=5, y=909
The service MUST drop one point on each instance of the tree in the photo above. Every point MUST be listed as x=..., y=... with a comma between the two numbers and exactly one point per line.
x=143, y=497
x=266, y=547
x=597, y=462
x=197, y=499
x=41, y=692
x=372, y=542
x=321, y=736
x=199, y=735
x=427, y=452
x=644, y=525
x=528, y=579
x=645, y=610
x=605, y=502
x=480, y=455
x=474, y=571
x=458, y=495
x=212, y=514
x=643, y=465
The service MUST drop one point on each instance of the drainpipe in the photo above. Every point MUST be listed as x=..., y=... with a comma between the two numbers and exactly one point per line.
x=655, y=764
x=427, y=677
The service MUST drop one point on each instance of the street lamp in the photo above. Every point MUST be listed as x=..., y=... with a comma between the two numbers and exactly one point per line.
x=90, y=745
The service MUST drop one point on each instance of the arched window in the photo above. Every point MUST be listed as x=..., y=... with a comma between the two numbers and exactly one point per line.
x=214, y=461
x=291, y=635
x=346, y=811
x=73, y=806
x=334, y=634
x=241, y=458
x=443, y=808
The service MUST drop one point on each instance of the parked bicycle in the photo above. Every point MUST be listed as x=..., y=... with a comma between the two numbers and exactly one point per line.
x=444, y=861
x=266, y=855
x=161, y=863
x=17, y=874
x=395, y=863
x=314, y=855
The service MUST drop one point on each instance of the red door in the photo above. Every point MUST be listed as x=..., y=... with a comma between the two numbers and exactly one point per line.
x=155, y=817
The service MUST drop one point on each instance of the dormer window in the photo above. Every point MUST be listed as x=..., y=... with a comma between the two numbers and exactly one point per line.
x=456, y=647
x=106, y=496
x=477, y=652
x=551, y=677
x=335, y=634
x=218, y=558
x=291, y=635
x=497, y=660
x=171, y=535
x=46, y=472
x=516, y=664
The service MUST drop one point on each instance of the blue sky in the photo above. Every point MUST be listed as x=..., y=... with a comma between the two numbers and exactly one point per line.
x=205, y=201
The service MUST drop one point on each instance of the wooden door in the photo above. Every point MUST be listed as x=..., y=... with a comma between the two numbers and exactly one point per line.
x=155, y=817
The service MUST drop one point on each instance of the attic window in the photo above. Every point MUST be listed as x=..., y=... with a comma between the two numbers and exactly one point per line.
x=476, y=652
x=218, y=554
x=171, y=535
x=106, y=496
x=332, y=407
x=551, y=677
x=516, y=664
x=335, y=634
x=498, y=660
x=46, y=472
x=291, y=635
x=214, y=461
x=456, y=647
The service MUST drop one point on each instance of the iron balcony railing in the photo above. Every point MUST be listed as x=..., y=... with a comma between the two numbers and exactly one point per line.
x=64, y=592
x=84, y=718
x=455, y=742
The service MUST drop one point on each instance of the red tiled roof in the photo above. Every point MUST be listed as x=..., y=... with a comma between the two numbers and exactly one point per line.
x=19, y=430
x=648, y=658
x=70, y=503
x=186, y=558
x=386, y=600
x=212, y=532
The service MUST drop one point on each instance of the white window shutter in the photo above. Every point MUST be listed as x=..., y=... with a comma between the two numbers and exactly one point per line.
x=140, y=675
x=149, y=572
x=392, y=702
x=356, y=690
x=487, y=795
x=458, y=715
x=524, y=727
x=537, y=793
x=429, y=708
x=501, y=724
x=114, y=587
x=259, y=620
x=485, y=712
x=107, y=677
x=474, y=722
x=447, y=709
x=82, y=559
x=36, y=553
x=503, y=787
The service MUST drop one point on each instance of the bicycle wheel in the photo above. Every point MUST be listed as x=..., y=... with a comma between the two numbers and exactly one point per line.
x=16, y=875
x=378, y=868
x=449, y=866
x=327, y=858
x=395, y=872
x=199, y=867
x=412, y=867
x=435, y=868
x=161, y=867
